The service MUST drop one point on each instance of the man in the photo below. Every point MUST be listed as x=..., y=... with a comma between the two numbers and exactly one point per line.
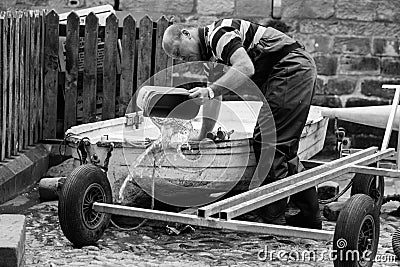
x=282, y=71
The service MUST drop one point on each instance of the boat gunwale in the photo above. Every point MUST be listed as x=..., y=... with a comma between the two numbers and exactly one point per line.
x=76, y=133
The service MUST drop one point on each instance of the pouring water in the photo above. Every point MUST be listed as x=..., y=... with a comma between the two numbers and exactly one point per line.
x=175, y=127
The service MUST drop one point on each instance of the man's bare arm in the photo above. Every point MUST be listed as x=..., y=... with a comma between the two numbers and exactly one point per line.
x=242, y=68
x=210, y=115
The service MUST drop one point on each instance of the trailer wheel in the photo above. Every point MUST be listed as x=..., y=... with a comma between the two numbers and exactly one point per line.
x=396, y=243
x=366, y=184
x=356, y=237
x=79, y=222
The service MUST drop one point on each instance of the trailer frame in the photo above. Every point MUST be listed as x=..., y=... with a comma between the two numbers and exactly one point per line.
x=221, y=214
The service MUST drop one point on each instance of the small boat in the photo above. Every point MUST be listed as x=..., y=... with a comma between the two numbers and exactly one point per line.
x=215, y=167
x=376, y=116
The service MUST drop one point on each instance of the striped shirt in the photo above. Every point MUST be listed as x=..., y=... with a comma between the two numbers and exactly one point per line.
x=225, y=36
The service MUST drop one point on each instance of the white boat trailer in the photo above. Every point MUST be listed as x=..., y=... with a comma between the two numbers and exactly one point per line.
x=358, y=222
x=228, y=209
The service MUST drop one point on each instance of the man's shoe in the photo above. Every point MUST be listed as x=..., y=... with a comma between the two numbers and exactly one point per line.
x=279, y=220
x=310, y=214
x=273, y=213
x=299, y=220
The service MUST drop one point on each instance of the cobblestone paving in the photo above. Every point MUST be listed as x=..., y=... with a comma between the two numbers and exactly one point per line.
x=151, y=246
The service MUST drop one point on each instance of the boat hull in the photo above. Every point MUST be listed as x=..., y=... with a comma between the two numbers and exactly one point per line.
x=214, y=167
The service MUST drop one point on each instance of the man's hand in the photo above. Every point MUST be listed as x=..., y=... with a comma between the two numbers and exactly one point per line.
x=197, y=138
x=200, y=94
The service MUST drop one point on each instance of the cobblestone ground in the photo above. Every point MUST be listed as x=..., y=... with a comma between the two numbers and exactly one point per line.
x=150, y=245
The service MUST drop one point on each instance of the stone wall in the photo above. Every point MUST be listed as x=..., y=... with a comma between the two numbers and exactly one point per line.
x=355, y=43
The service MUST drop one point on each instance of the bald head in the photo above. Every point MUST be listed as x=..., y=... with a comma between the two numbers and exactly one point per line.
x=172, y=35
x=180, y=41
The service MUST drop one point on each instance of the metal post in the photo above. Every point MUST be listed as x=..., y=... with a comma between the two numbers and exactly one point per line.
x=389, y=126
x=392, y=115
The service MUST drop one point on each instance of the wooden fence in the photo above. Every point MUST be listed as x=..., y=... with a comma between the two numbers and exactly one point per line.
x=104, y=65
x=21, y=80
x=54, y=76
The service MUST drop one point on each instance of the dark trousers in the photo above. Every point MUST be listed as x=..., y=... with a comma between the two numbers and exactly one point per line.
x=288, y=91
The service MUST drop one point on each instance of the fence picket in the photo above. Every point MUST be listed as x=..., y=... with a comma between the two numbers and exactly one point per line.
x=144, y=51
x=71, y=72
x=10, y=139
x=161, y=58
x=90, y=69
x=27, y=85
x=21, y=121
x=16, y=105
x=1, y=82
x=32, y=104
x=36, y=61
x=51, y=73
x=110, y=67
x=41, y=76
x=4, y=63
x=127, y=85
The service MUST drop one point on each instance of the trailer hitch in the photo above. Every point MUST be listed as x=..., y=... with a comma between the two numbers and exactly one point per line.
x=342, y=142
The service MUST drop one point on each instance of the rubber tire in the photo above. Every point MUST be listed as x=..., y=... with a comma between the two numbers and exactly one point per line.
x=348, y=226
x=396, y=243
x=70, y=213
x=363, y=184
